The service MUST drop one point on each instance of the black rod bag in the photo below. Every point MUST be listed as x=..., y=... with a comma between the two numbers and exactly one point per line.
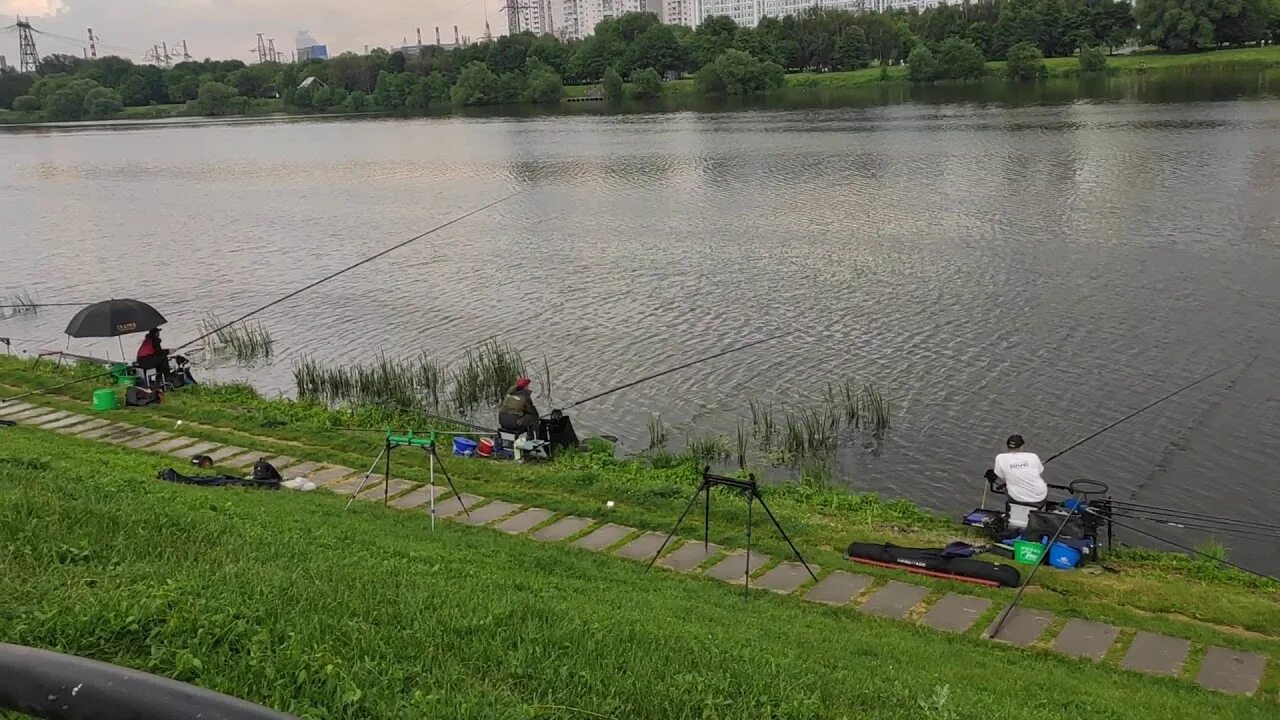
x=934, y=560
x=173, y=476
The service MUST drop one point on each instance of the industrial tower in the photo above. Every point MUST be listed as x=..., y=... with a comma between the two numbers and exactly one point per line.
x=28, y=58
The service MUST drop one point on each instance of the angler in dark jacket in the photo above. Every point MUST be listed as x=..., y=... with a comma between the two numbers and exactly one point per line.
x=517, y=413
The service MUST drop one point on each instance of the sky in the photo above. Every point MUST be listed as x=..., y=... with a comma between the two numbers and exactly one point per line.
x=228, y=28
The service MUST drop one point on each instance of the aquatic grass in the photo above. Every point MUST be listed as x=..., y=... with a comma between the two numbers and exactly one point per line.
x=18, y=303
x=740, y=446
x=763, y=426
x=711, y=448
x=243, y=342
x=430, y=377
x=485, y=375
x=657, y=433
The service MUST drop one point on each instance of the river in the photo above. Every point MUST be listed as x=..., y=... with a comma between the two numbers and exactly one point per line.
x=1039, y=264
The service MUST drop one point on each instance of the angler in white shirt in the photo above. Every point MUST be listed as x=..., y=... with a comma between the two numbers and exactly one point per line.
x=1020, y=471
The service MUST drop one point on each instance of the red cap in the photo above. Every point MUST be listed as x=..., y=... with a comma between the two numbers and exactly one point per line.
x=522, y=383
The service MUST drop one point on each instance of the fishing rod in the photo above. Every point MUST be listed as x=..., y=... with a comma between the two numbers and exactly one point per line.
x=1202, y=525
x=1224, y=561
x=1143, y=409
x=1129, y=507
x=353, y=266
x=668, y=371
x=55, y=387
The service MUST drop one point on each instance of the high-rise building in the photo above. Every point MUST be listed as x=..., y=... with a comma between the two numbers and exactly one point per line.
x=748, y=12
x=576, y=19
x=309, y=48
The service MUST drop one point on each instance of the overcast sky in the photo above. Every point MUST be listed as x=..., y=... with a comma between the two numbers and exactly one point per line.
x=228, y=28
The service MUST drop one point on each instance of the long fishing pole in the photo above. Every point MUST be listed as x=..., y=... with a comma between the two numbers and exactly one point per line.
x=348, y=268
x=1131, y=507
x=1193, y=525
x=38, y=391
x=1224, y=561
x=1141, y=410
x=668, y=371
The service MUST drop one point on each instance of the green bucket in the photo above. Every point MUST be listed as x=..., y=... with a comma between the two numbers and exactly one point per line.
x=105, y=399
x=127, y=380
x=1027, y=552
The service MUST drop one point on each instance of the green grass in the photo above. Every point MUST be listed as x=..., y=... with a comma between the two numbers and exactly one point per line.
x=1150, y=591
x=287, y=600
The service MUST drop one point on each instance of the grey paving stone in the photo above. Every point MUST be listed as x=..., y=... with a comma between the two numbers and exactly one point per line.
x=224, y=452
x=421, y=496
x=281, y=462
x=733, y=568
x=14, y=407
x=131, y=432
x=1085, y=639
x=150, y=438
x=39, y=416
x=786, y=577
x=173, y=444
x=689, y=556
x=1156, y=654
x=239, y=462
x=85, y=426
x=35, y=411
x=377, y=493
x=71, y=419
x=102, y=431
x=525, y=521
x=838, y=588
x=486, y=514
x=191, y=451
x=1231, y=671
x=603, y=536
x=352, y=484
x=449, y=507
x=955, y=612
x=894, y=600
x=643, y=547
x=562, y=528
x=298, y=469
x=331, y=475
x=1023, y=627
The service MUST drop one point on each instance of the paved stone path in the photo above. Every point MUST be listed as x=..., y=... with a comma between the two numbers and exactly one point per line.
x=1221, y=669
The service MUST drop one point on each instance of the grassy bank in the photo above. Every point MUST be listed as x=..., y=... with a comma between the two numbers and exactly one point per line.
x=287, y=600
x=1152, y=591
x=256, y=108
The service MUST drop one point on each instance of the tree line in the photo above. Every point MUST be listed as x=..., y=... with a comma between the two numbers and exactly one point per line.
x=948, y=41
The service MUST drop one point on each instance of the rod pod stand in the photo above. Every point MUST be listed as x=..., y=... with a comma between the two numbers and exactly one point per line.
x=428, y=444
x=751, y=490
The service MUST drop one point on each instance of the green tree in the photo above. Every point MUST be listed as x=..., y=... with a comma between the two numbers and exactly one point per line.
x=26, y=103
x=101, y=103
x=713, y=37
x=657, y=48
x=287, y=82
x=921, y=65
x=13, y=85
x=552, y=52
x=60, y=63
x=245, y=81
x=612, y=82
x=593, y=56
x=1025, y=62
x=512, y=88
x=322, y=98
x=477, y=85
x=419, y=96
x=68, y=103
x=736, y=73
x=959, y=59
x=356, y=102
x=304, y=96
x=1243, y=21
x=646, y=83
x=1092, y=59
x=182, y=86
x=543, y=84
x=852, y=51
x=215, y=98
x=1178, y=25
x=134, y=91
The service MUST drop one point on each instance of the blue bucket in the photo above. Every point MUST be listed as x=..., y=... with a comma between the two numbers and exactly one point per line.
x=464, y=446
x=1063, y=557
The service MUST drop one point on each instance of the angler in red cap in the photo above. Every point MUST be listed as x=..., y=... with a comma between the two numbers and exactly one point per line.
x=517, y=413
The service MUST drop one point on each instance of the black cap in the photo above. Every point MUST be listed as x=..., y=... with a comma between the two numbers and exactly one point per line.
x=1014, y=442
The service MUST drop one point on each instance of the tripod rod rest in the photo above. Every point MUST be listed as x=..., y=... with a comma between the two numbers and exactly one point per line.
x=710, y=478
x=412, y=440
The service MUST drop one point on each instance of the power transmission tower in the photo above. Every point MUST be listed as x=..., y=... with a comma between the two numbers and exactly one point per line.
x=262, y=49
x=271, y=49
x=28, y=58
x=93, y=45
x=186, y=56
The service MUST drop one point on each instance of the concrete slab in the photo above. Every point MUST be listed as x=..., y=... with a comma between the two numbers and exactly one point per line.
x=421, y=496
x=85, y=426
x=838, y=588
x=298, y=469
x=735, y=567
x=486, y=514
x=331, y=475
x=241, y=462
x=1023, y=627
x=377, y=493
x=955, y=612
x=190, y=451
x=352, y=484
x=525, y=521
x=689, y=556
x=562, y=528
x=35, y=411
x=280, y=462
x=71, y=419
x=1231, y=671
x=786, y=577
x=150, y=438
x=174, y=444
x=102, y=431
x=449, y=507
x=643, y=547
x=224, y=452
x=13, y=408
x=39, y=416
x=1156, y=654
x=131, y=432
x=1085, y=639
x=603, y=536
x=894, y=600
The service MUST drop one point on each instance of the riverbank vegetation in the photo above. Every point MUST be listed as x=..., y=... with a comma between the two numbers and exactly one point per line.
x=288, y=600
x=635, y=47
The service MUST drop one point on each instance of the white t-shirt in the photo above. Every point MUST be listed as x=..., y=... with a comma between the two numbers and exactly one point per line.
x=1020, y=472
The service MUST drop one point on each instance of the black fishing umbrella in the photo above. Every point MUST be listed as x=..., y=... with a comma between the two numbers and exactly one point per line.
x=112, y=318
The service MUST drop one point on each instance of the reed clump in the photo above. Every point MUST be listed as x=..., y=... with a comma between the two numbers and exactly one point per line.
x=816, y=431
x=243, y=342
x=18, y=303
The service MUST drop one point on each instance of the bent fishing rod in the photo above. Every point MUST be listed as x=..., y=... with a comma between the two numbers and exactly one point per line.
x=1143, y=409
x=668, y=371
x=351, y=267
